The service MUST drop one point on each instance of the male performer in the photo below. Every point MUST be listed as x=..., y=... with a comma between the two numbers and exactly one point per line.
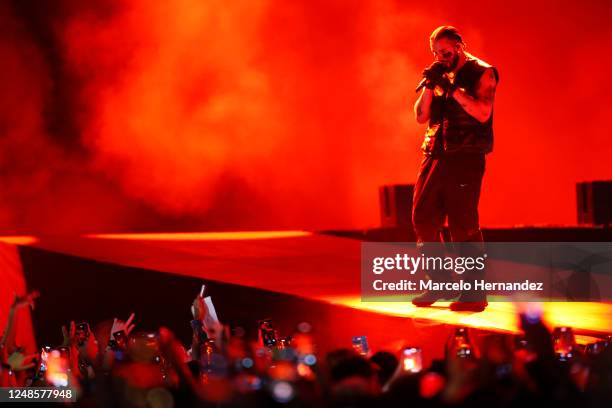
x=457, y=101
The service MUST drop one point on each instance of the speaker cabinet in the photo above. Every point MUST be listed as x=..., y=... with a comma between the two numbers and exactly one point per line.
x=594, y=200
x=396, y=205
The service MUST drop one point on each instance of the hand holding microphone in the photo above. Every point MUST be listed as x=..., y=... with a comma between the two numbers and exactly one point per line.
x=433, y=76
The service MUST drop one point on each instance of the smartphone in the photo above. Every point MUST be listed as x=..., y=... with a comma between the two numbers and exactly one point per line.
x=461, y=332
x=44, y=356
x=593, y=349
x=564, y=343
x=57, y=369
x=464, y=351
x=83, y=327
x=82, y=333
x=120, y=339
x=412, y=359
x=267, y=332
x=459, y=345
x=360, y=345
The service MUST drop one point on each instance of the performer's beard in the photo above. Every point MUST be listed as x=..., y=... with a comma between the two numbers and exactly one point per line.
x=454, y=62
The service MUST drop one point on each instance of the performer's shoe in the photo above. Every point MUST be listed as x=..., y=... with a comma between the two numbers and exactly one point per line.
x=469, y=306
x=429, y=297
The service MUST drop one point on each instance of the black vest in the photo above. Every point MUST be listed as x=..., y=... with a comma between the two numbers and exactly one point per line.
x=451, y=129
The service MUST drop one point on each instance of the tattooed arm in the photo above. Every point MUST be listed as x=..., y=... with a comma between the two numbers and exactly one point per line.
x=422, y=107
x=480, y=107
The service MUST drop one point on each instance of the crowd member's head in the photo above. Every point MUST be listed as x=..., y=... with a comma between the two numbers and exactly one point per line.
x=600, y=378
x=387, y=364
x=353, y=379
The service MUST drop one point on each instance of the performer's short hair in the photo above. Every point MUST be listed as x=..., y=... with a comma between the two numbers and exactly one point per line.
x=446, y=31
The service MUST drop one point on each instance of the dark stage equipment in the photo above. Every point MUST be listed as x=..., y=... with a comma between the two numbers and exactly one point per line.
x=594, y=201
x=396, y=205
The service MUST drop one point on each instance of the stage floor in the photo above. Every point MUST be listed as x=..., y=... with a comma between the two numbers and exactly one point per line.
x=304, y=264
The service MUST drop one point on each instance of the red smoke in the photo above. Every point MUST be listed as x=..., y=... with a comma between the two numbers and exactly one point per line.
x=292, y=98
x=291, y=114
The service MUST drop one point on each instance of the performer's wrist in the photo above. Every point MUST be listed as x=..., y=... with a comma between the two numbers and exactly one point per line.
x=455, y=92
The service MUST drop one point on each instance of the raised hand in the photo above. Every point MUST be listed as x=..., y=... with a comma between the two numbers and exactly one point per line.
x=19, y=361
x=25, y=300
x=7, y=339
x=90, y=348
x=69, y=335
x=435, y=76
x=199, y=310
x=119, y=325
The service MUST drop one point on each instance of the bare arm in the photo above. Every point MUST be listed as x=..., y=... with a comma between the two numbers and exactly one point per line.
x=480, y=107
x=8, y=337
x=422, y=107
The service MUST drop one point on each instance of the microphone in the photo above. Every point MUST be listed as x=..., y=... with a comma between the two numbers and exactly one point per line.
x=421, y=85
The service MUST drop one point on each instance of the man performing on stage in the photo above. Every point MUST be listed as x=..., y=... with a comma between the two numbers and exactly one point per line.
x=457, y=101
